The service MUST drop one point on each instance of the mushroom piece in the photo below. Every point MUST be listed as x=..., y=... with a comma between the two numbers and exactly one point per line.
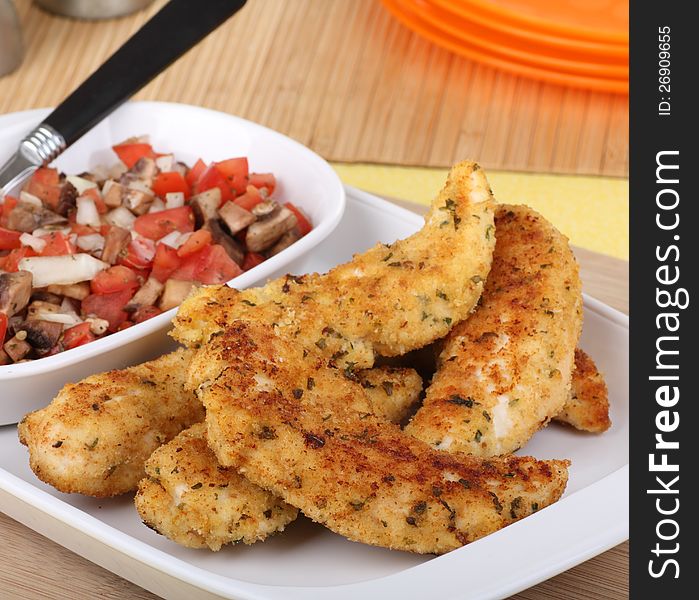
x=77, y=291
x=205, y=205
x=263, y=234
x=17, y=347
x=42, y=335
x=174, y=292
x=145, y=168
x=219, y=236
x=24, y=217
x=137, y=201
x=66, y=201
x=112, y=193
x=15, y=291
x=146, y=296
x=266, y=209
x=4, y=357
x=236, y=217
x=284, y=242
x=115, y=241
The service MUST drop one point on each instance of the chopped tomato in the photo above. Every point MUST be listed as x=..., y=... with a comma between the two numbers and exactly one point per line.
x=57, y=244
x=196, y=242
x=79, y=229
x=170, y=182
x=11, y=262
x=139, y=254
x=251, y=260
x=304, y=224
x=130, y=154
x=3, y=327
x=158, y=224
x=44, y=184
x=125, y=325
x=144, y=313
x=114, y=279
x=108, y=306
x=263, y=180
x=249, y=199
x=212, y=178
x=77, y=336
x=165, y=262
x=195, y=172
x=9, y=239
x=215, y=266
x=235, y=170
x=8, y=204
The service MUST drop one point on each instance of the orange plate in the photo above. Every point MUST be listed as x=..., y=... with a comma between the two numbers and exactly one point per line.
x=502, y=44
x=591, y=47
x=443, y=39
x=598, y=20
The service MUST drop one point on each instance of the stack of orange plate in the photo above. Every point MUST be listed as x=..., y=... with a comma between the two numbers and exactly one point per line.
x=579, y=43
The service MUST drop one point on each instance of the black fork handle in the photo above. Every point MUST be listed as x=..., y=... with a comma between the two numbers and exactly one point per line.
x=176, y=28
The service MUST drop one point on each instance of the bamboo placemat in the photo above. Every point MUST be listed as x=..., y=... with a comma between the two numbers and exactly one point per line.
x=348, y=80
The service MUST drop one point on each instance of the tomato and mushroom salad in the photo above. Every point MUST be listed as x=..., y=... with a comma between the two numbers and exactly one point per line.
x=83, y=256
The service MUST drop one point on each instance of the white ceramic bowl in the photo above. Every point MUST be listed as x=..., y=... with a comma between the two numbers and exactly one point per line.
x=303, y=178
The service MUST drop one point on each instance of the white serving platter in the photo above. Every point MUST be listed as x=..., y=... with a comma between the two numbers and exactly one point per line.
x=309, y=562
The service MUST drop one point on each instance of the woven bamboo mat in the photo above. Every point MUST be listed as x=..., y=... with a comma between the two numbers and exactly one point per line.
x=346, y=79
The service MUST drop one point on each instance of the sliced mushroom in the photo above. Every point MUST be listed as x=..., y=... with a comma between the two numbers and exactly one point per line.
x=205, y=205
x=42, y=335
x=266, y=209
x=15, y=291
x=236, y=217
x=115, y=241
x=66, y=201
x=112, y=193
x=147, y=295
x=284, y=242
x=77, y=291
x=38, y=307
x=24, y=217
x=219, y=236
x=174, y=292
x=145, y=168
x=263, y=234
x=17, y=347
x=137, y=201
x=46, y=297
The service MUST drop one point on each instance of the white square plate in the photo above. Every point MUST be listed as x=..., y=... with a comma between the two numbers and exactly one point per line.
x=309, y=562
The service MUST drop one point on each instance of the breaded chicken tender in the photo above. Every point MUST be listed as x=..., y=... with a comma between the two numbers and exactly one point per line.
x=506, y=371
x=190, y=498
x=95, y=435
x=391, y=299
x=193, y=500
x=320, y=449
x=587, y=408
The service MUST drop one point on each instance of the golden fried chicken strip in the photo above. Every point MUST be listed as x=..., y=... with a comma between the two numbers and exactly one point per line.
x=322, y=451
x=190, y=498
x=506, y=371
x=388, y=300
x=193, y=500
x=96, y=434
x=587, y=408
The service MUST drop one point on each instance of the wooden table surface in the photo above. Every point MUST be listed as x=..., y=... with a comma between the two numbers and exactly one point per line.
x=353, y=84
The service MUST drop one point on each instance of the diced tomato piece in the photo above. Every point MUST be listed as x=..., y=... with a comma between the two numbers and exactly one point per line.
x=144, y=313
x=57, y=244
x=108, y=306
x=251, y=260
x=11, y=262
x=79, y=229
x=97, y=198
x=165, y=262
x=9, y=239
x=187, y=268
x=125, y=325
x=130, y=154
x=77, y=336
x=215, y=266
x=158, y=224
x=304, y=225
x=44, y=185
x=195, y=243
x=170, y=182
x=195, y=172
x=212, y=178
x=114, y=279
x=139, y=254
x=8, y=204
x=249, y=199
x=3, y=327
x=235, y=170
x=264, y=180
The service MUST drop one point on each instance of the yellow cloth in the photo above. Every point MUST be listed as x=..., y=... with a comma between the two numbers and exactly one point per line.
x=592, y=211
